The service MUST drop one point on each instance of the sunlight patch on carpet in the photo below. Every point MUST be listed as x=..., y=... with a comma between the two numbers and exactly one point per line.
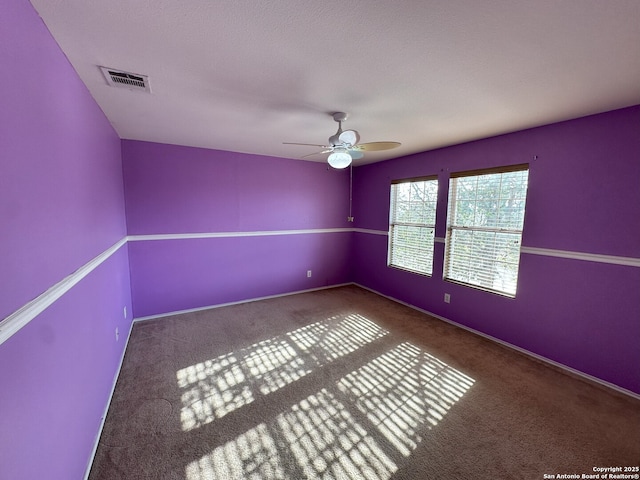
x=328, y=442
x=252, y=455
x=405, y=391
x=216, y=387
x=361, y=426
x=326, y=341
x=323, y=441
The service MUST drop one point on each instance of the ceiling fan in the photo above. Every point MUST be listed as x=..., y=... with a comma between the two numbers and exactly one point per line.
x=343, y=146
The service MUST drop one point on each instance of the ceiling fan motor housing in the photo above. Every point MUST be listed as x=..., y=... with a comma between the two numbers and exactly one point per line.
x=340, y=116
x=344, y=146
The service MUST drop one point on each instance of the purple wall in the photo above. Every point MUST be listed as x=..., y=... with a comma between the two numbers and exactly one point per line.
x=182, y=190
x=583, y=196
x=61, y=205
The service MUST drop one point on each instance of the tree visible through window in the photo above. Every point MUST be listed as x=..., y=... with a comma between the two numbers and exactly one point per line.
x=412, y=222
x=484, y=228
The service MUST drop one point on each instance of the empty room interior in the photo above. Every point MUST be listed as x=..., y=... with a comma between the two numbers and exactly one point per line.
x=350, y=240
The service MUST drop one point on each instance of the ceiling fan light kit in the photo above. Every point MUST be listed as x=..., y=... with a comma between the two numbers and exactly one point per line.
x=343, y=146
x=339, y=159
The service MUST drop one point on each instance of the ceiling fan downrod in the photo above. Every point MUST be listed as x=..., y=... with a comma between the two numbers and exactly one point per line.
x=338, y=117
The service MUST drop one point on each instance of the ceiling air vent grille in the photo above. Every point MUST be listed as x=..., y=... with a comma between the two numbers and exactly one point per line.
x=121, y=79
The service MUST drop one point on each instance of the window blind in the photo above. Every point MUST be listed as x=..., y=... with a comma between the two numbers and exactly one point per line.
x=485, y=219
x=412, y=219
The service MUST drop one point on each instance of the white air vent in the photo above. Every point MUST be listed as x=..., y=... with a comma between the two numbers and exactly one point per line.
x=132, y=81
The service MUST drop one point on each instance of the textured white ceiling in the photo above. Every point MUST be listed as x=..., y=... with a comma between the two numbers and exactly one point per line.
x=245, y=76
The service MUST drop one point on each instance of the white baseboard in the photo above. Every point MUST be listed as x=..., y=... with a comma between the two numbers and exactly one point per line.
x=535, y=356
x=528, y=353
x=219, y=305
x=106, y=409
x=151, y=317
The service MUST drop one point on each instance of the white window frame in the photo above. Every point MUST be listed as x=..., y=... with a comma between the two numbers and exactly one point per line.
x=483, y=251
x=414, y=256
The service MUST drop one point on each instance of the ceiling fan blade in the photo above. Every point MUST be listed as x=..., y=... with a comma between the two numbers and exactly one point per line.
x=350, y=137
x=316, y=153
x=356, y=154
x=306, y=144
x=377, y=146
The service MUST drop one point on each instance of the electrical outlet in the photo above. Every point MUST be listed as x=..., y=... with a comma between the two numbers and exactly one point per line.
x=308, y=273
x=117, y=334
x=447, y=298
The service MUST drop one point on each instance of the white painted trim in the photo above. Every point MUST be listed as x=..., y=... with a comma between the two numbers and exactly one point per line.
x=548, y=252
x=385, y=233
x=18, y=319
x=591, y=257
x=126, y=345
x=96, y=442
x=219, y=305
x=14, y=322
x=265, y=233
x=372, y=232
x=542, y=359
x=451, y=322
x=10, y=325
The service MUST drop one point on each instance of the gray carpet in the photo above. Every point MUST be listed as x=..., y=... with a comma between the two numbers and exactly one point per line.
x=345, y=384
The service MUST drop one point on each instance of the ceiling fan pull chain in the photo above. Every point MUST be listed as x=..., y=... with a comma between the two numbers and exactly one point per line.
x=350, y=217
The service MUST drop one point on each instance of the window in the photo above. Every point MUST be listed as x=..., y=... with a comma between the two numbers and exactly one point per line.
x=412, y=220
x=484, y=228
